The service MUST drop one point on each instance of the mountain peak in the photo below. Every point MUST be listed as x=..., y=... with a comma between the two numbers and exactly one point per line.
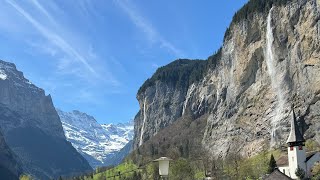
x=94, y=141
x=8, y=71
x=30, y=124
x=7, y=64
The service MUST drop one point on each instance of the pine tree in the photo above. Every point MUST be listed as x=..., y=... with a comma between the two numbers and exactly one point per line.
x=272, y=164
x=300, y=173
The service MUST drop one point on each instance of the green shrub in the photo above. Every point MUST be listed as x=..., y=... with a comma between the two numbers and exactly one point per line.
x=25, y=177
x=179, y=73
x=312, y=145
x=181, y=169
x=316, y=171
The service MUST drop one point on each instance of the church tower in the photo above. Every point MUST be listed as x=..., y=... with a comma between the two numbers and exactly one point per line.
x=296, y=148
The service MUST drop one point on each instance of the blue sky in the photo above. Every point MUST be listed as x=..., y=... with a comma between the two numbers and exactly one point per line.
x=93, y=55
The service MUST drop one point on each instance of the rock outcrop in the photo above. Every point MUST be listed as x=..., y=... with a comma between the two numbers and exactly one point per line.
x=32, y=128
x=268, y=61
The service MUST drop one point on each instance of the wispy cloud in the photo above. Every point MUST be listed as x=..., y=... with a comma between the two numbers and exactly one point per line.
x=143, y=24
x=42, y=9
x=155, y=65
x=84, y=96
x=45, y=47
x=88, y=8
x=67, y=63
x=52, y=36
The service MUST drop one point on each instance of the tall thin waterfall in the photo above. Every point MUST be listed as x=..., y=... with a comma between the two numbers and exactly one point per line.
x=188, y=96
x=275, y=81
x=144, y=120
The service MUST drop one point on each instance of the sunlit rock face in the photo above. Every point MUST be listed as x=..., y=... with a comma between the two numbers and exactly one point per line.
x=267, y=63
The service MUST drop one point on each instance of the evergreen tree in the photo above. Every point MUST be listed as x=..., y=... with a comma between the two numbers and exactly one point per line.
x=300, y=173
x=272, y=164
x=181, y=169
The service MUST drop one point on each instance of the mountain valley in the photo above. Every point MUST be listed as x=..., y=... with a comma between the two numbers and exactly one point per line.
x=226, y=116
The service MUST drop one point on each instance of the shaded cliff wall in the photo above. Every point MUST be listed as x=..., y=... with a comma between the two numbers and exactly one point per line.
x=32, y=128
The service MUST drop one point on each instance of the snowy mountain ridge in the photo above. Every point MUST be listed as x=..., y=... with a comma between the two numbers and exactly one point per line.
x=92, y=140
x=9, y=71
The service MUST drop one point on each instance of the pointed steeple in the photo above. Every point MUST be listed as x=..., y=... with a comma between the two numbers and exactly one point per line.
x=295, y=134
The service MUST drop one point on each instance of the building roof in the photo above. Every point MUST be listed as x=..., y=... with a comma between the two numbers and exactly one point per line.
x=163, y=159
x=310, y=155
x=283, y=160
x=295, y=134
x=277, y=175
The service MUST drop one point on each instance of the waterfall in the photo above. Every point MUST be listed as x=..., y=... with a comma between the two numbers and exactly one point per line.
x=144, y=121
x=188, y=96
x=275, y=81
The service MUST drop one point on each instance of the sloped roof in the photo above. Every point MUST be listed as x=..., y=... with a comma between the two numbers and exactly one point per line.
x=277, y=175
x=310, y=155
x=283, y=160
x=295, y=134
x=163, y=159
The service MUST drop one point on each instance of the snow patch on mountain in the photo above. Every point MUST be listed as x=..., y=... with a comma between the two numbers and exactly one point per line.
x=94, y=141
x=3, y=75
x=9, y=71
x=120, y=134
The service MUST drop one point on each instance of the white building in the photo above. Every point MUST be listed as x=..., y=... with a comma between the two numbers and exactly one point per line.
x=297, y=156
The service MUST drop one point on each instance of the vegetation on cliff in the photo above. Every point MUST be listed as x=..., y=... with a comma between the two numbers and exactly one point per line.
x=233, y=167
x=184, y=72
x=249, y=10
x=179, y=73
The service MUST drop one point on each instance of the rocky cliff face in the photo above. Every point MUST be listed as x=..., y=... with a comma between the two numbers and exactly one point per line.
x=268, y=61
x=32, y=128
x=20, y=95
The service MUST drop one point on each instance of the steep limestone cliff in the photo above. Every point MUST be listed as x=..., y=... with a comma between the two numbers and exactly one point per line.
x=162, y=97
x=268, y=61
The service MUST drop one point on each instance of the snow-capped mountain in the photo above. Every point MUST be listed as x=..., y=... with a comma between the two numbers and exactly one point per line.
x=120, y=133
x=94, y=141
